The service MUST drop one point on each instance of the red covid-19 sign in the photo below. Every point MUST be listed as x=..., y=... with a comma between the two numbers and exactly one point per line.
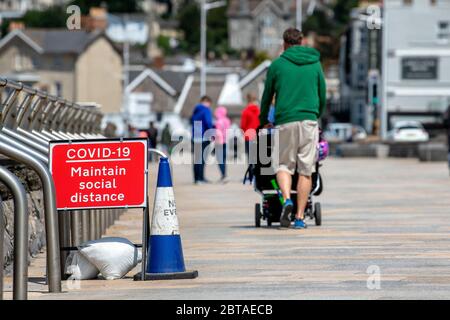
x=94, y=174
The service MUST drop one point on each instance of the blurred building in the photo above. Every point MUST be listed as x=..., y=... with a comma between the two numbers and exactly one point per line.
x=24, y=5
x=359, y=73
x=76, y=65
x=417, y=60
x=259, y=24
x=13, y=9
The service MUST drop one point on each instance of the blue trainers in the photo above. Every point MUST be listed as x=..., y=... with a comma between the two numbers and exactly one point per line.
x=300, y=224
x=285, y=219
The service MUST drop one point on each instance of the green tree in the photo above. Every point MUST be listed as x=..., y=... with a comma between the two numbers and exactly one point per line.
x=53, y=17
x=164, y=44
x=189, y=20
x=342, y=9
x=217, y=31
x=260, y=57
x=332, y=25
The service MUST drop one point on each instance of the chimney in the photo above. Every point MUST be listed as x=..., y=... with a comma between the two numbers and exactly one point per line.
x=16, y=25
x=96, y=20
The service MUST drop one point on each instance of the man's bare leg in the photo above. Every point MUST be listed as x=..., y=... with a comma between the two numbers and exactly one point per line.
x=284, y=179
x=304, y=186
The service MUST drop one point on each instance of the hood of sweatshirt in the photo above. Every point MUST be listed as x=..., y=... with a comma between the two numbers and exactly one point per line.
x=301, y=55
x=199, y=109
x=220, y=113
x=252, y=108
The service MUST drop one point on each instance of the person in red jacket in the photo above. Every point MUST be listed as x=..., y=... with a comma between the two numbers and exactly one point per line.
x=250, y=121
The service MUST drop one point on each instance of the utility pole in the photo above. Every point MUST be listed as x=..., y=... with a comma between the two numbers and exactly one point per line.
x=126, y=75
x=205, y=6
x=383, y=113
x=299, y=14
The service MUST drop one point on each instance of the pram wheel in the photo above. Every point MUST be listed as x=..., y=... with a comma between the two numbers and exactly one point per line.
x=318, y=214
x=258, y=215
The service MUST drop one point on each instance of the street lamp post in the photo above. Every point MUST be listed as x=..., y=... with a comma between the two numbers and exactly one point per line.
x=299, y=14
x=205, y=7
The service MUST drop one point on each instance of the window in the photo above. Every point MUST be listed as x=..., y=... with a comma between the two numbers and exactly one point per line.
x=57, y=62
x=35, y=62
x=268, y=33
x=443, y=30
x=18, y=62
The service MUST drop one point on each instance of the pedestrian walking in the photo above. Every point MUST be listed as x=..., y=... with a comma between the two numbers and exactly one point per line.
x=296, y=79
x=250, y=122
x=166, y=139
x=447, y=125
x=152, y=135
x=222, y=124
x=201, y=122
x=132, y=131
x=110, y=130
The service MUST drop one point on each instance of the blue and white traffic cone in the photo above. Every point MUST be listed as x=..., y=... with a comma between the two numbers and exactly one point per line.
x=165, y=253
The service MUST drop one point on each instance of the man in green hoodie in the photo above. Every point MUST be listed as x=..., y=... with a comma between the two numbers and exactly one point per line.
x=296, y=80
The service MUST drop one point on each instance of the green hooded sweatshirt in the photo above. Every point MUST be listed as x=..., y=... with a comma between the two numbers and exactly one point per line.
x=297, y=81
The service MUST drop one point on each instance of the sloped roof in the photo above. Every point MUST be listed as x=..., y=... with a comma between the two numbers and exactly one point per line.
x=58, y=41
x=149, y=73
x=236, y=6
x=176, y=80
x=240, y=7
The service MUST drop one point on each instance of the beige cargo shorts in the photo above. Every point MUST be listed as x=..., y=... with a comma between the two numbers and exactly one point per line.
x=295, y=147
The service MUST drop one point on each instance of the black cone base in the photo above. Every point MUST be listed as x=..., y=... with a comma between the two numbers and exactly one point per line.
x=167, y=276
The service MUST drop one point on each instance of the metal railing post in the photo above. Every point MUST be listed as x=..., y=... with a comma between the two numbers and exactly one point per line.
x=84, y=225
x=20, y=277
x=2, y=254
x=30, y=119
x=75, y=222
x=64, y=238
x=98, y=224
x=51, y=224
x=92, y=225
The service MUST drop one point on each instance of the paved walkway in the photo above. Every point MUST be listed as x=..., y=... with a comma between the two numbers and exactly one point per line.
x=386, y=215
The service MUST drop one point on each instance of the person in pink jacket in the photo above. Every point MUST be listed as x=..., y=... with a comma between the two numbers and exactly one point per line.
x=222, y=124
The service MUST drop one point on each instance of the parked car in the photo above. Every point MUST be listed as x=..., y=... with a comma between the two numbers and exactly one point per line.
x=344, y=132
x=408, y=131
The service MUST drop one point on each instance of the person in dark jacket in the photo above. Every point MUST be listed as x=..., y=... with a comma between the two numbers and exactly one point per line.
x=201, y=122
x=166, y=139
x=152, y=136
x=447, y=125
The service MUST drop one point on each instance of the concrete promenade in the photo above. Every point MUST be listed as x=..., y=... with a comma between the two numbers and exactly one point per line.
x=386, y=215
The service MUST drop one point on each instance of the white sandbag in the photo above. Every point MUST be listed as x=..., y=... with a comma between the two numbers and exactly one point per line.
x=79, y=268
x=114, y=257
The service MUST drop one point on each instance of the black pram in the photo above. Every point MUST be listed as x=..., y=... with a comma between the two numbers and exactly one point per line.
x=264, y=182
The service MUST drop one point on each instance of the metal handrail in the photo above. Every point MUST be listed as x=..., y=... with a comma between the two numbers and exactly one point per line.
x=50, y=212
x=20, y=278
x=2, y=255
x=26, y=127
